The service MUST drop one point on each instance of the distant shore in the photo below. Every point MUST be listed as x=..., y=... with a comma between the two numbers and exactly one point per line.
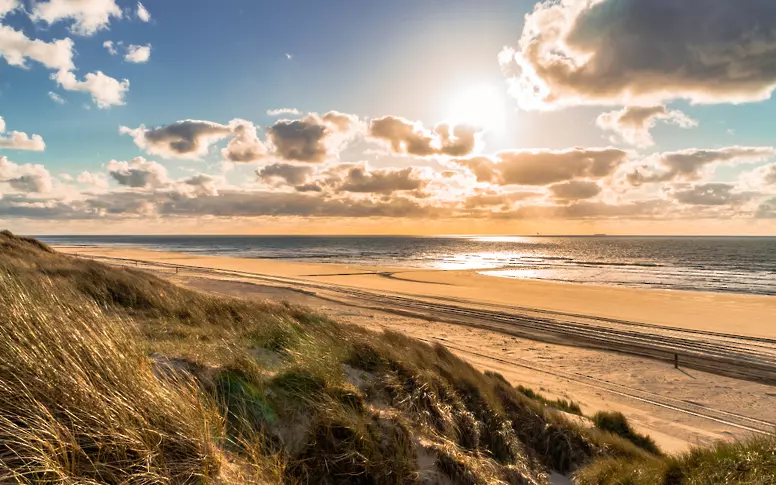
x=745, y=315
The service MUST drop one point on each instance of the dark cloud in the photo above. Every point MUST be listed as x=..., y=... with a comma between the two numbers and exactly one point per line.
x=707, y=194
x=575, y=190
x=22, y=207
x=245, y=146
x=182, y=139
x=766, y=210
x=489, y=199
x=303, y=140
x=26, y=177
x=199, y=185
x=405, y=136
x=543, y=167
x=689, y=165
x=290, y=174
x=384, y=181
x=138, y=173
x=644, y=51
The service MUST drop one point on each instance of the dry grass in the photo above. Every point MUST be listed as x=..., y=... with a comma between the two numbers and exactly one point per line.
x=113, y=375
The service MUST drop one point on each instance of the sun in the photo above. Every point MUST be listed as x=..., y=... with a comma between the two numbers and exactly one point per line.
x=482, y=105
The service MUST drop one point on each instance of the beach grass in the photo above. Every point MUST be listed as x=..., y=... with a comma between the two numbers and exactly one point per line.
x=113, y=375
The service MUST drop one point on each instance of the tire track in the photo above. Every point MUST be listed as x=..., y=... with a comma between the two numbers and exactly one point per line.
x=744, y=357
x=724, y=417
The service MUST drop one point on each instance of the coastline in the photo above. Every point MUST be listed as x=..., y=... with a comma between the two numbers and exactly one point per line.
x=739, y=314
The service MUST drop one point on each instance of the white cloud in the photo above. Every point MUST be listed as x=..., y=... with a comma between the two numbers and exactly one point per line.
x=105, y=90
x=16, y=48
x=283, y=111
x=25, y=178
x=87, y=16
x=56, y=98
x=142, y=13
x=619, y=52
x=7, y=6
x=98, y=180
x=138, y=54
x=634, y=123
x=111, y=47
x=16, y=140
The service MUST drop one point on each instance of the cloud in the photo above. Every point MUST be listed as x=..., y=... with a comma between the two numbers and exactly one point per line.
x=543, y=167
x=341, y=122
x=200, y=185
x=138, y=54
x=766, y=210
x=634, y=123
x=188, y=139
x=16, y=48
x=283, y=111
x=290, y=174
x=56, y=98
x=692, y=164
x=711, y=194
x=138, y=173
x=615, y=52
x=105, y=90
x=25, y=178
x=87, y=16
x=245, y=146
x=575, y=190
x=360, y=179
x=142, y=13
x=110, y=46
x=505, y=201
x=16, y=140
x=98, y=180
x=312, y=139
x=762, y=177
x=8, y=6
x=404, y=136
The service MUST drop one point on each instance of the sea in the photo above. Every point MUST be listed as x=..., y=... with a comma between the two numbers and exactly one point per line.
x=715, y=264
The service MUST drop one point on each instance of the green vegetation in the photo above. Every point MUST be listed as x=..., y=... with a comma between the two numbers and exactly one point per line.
x=617, y=423
x=565, y=405
x=113, y=375
x=751, y=461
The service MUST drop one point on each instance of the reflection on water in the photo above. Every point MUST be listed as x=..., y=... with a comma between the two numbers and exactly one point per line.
x=735, y=264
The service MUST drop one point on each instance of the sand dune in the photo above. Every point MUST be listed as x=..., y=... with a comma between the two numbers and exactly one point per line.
x=532, y=333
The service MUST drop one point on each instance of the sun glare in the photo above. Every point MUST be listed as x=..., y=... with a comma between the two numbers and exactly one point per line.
x=482, y=105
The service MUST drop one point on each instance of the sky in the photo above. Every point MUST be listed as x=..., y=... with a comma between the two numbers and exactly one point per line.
x=401, y=117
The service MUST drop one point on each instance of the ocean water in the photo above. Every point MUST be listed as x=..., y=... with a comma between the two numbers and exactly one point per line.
x=718, y=264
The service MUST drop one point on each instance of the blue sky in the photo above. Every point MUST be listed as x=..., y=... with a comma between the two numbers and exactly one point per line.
x=422, y=62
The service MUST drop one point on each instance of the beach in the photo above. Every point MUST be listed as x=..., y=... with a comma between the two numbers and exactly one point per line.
x=748, y=315
x=606, y=347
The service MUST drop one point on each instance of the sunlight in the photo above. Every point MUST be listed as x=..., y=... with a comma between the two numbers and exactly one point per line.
x=481, y=105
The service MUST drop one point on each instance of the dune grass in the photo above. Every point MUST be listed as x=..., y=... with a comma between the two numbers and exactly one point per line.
x=751, y=461
x=617, y=423
x=565, y=405
x=113, y=375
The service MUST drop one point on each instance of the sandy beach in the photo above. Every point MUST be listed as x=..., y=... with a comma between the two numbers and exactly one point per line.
x=583, y=342
x=747, y=315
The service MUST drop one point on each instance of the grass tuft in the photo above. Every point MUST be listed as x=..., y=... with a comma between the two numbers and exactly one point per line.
x=616, y=423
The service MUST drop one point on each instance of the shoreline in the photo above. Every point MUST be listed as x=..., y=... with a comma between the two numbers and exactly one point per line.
x=731, y=313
